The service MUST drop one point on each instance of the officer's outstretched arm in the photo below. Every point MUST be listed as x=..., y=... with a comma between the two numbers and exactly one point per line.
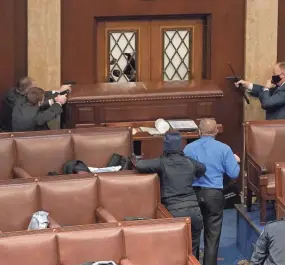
x=199, y=168
x=148, y=166
x=260, y=252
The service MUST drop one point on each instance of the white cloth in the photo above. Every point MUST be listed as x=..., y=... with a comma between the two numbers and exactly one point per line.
x=104, y=169
x=39, y=221
x=162, y=126
x=100, y=263
x=250, y=87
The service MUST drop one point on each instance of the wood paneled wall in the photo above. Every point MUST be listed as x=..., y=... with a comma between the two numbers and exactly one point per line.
x=78, y=42
x=260, y=49
x=13, y=44
x=281, y=31
x=227, y=44
x=44, y=47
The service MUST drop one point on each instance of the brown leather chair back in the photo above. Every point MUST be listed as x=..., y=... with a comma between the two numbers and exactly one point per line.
x=96, y=148
x=40, y=155
x=264, y=140
x=8, y=156
x=17, y=203
x=76, y=247
x=70, y=201
x=73, y=199
x=281, y=186
x=121, y=195
x=160, y=242
x=280, y=190
x=155, y=242
x=29, y=249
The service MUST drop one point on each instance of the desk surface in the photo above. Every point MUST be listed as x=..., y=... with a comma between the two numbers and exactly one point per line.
x=138, y=136
x=148, y=91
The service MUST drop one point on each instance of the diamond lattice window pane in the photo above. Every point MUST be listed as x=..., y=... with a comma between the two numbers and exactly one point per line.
x=122, y=54
x=177, y=54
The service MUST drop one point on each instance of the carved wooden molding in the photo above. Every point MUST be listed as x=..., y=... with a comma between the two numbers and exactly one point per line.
x=144, y=99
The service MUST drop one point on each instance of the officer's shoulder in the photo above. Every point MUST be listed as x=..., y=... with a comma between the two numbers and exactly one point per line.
x=282, y=88
x=275, y=223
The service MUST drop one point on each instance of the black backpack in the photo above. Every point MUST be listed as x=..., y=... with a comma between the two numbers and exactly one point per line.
x=119, y=160
x=72, y=167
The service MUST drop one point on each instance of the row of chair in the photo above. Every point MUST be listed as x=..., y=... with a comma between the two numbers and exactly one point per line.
x=80, y=199
x=33, y=154
x=264, y=145
x=155, y=242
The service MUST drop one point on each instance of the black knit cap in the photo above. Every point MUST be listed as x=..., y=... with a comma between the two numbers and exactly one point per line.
x=172, y=142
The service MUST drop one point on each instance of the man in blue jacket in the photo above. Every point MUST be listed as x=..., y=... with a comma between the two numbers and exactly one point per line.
x=270, y=247
x=272, y=94
x=219, y=160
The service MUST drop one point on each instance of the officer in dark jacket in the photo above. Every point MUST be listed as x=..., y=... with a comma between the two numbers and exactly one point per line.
x=29, y=116
x=272, y=95
x=9, y=101
x=270, y=247
x=176, y=174
x=18, y=94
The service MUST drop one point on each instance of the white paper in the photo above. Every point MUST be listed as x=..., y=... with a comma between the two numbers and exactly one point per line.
x=183, y=124
x=152, y=131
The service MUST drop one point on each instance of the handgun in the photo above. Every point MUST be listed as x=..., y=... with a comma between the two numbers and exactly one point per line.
x=236, y=79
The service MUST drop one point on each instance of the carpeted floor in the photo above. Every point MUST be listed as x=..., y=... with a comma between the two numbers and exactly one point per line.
x=228, y=252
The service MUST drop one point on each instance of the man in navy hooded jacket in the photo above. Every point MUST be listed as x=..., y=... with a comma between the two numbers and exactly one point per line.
x=176, y=173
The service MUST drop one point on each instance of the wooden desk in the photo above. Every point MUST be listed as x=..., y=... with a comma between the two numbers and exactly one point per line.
x=151, y=146
x=92, y=105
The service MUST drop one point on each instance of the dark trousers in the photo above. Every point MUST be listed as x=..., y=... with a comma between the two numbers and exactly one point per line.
x=211, y=203
x=196, y=225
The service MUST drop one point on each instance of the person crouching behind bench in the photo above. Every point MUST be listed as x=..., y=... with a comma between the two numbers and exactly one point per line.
x=28, y=116
x=176, y=173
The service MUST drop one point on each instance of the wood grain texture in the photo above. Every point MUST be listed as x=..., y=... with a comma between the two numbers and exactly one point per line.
x=226, y=44
x=44, y=42
x=13, y=44
x=281, y=31
x=261, y=48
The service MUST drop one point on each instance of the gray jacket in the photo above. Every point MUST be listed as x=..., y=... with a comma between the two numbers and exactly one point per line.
x=270, y=247
x=272, y=101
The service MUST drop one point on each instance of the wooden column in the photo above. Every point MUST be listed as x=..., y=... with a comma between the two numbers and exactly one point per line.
x=260, y=48
x=44, y=42
x=44, y=45
x=260, y=53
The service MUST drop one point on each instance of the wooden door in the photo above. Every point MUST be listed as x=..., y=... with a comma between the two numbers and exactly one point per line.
x=149, y=50
x=123, y=51
x=176, y=49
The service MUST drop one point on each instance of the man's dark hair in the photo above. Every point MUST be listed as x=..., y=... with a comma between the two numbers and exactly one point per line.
x=23, y=84
x=35, y=95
